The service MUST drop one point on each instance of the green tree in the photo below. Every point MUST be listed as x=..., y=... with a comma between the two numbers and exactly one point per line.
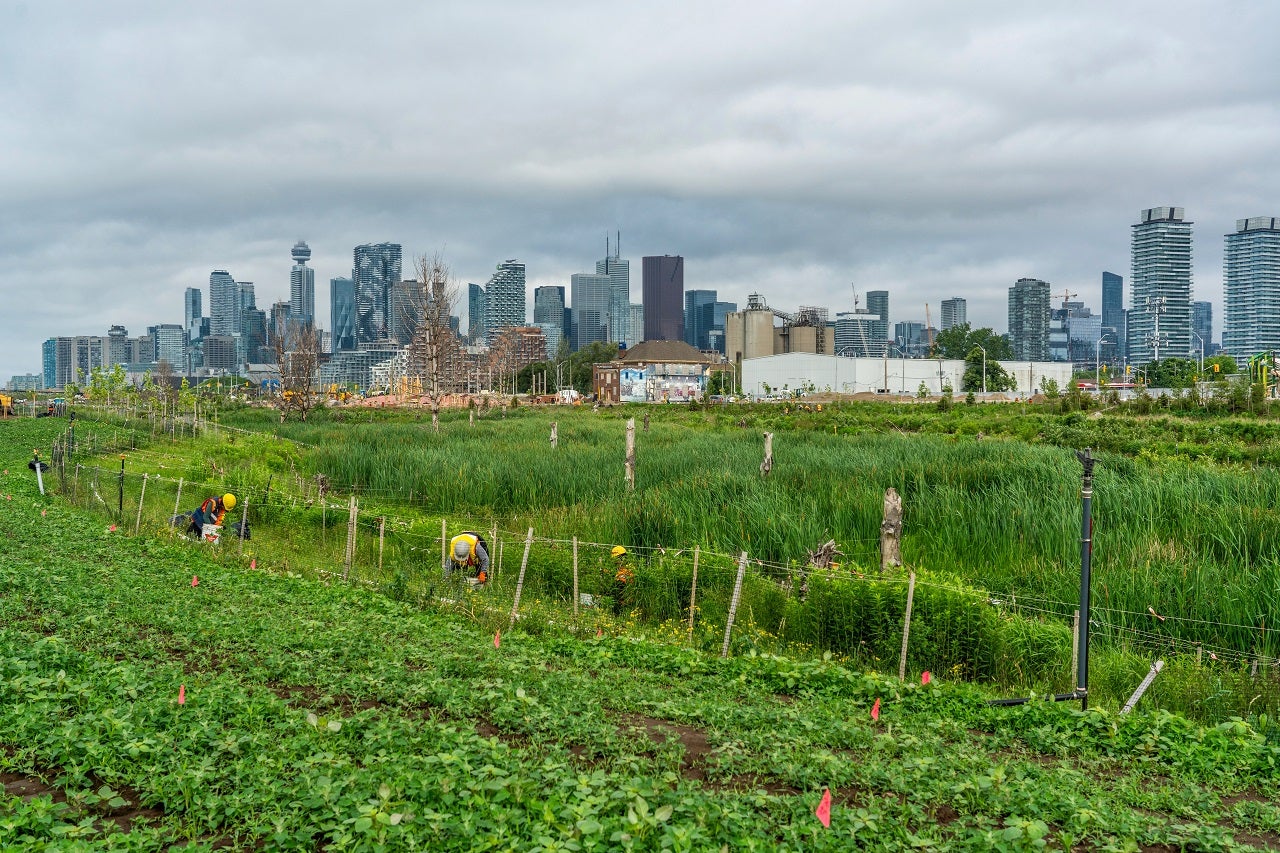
x=998, y=379
x=1225, y=366
x=958, y=341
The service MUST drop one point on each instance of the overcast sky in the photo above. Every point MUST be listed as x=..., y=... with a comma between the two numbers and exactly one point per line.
x=801, y=150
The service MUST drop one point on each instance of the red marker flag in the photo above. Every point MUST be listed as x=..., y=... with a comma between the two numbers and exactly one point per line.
x=875, y=710
x=823, y=811
x=112, y=529
x=182, y=694
x=195, y=581
x=42, y=512
x=253, y=564
x=599, y=633
x=497, y=639
x=925, y=677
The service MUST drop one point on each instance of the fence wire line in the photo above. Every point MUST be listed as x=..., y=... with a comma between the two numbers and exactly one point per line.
x=1013, y=601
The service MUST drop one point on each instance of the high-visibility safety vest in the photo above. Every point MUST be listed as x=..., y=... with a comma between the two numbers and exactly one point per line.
x=472, y=540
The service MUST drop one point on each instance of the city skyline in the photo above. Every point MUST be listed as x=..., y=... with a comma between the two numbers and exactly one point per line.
x=991, y=142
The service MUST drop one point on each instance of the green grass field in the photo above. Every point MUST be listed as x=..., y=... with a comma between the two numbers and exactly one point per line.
x=329, y=716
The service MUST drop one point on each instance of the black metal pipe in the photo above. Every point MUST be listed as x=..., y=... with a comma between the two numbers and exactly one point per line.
x=1086, y=554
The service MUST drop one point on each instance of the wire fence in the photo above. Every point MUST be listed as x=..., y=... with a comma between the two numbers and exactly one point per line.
x=551, y=583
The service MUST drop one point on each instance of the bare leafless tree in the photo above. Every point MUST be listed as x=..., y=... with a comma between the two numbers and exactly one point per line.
x=297, y=354
x=435, y=353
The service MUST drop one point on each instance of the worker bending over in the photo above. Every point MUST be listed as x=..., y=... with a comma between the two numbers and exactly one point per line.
x=212, y=511
x=469, y=553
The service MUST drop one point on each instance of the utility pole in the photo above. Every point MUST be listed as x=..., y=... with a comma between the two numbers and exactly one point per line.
x=1155, y=305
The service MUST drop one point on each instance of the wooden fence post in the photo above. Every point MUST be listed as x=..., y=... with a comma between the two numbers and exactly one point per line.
x=693, y=592
x=382, y=530
x=351, y=539
x=555, y=437
x=631, y=455
x=515, y=605
x=733, y=604
x=891, y=531
x=444, y=542
x=906, y=627
x=244, y=522
x=767, y=465
x=141, y=497
x=575, y=579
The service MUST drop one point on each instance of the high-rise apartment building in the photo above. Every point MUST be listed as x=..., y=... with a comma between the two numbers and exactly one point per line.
x=695, y=332
x=663, y=298
x=590, y=299
x=955, y=312
x=618, y=272
x=856, y=334
x=1160, y=284
x=1251, y=288
x=224, y=304
x=405, y=311
x=376, y=267
x=342, y=313
x=504, y=302
x=117, y=346
x=302, y=286
x=475, y=314
x=1029, y=319
x=878, y=307
x=548, y=314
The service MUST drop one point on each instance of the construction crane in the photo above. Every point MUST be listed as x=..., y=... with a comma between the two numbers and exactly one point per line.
x=1067, y=295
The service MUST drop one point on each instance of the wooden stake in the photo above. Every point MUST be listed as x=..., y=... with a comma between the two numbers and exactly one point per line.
x=177, y=501
x=141, y=496
x=444, y=543
x=693, y=592
x=891, y=531
x=351, y=539
x=575, y=578
x=515, y=605
x=555, y=438
x=244, y=522
x=382, y=530
x=733, y=604
x=906, y=627
x=767, y=465
x=631, y=455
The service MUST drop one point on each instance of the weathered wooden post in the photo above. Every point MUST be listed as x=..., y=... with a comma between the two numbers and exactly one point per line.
x=351, y=539
x=575, y=579
x=555, y=439
x=906, y=627
x=646, y=421
x=693, y=592
x=515, y=605
x=891, y=531
x=382, y=531
x=767, y=465
x=444, y=543
x=631, y=454
x=472, y=416
x=137, y=522
x=244, y=522
x=733, y=604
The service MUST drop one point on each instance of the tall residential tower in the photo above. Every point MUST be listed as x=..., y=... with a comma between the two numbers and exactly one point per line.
x=1251, y=287
x=1160, y=313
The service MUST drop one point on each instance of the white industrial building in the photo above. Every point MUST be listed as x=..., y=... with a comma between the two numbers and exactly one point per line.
x=828, y=373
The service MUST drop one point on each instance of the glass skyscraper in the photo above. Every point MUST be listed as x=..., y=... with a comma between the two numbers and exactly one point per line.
x=1160, y=285
x=695, y=331
x=548, y=314
x=224, y=304
x=591, y=299
x=1113, y=314
x=475, y=313
x=955, y=312
x=618, y=312
x=663, y=298
x=878, y=306
x=376, y=267
x=1251, y=287
x=342, y=313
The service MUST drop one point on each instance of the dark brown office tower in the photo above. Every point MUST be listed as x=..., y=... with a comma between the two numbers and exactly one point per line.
x=663, y=296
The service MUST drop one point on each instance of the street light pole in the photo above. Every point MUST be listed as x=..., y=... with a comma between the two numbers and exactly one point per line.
x=1097, y=362
x=984, y=367
x=1201, y=340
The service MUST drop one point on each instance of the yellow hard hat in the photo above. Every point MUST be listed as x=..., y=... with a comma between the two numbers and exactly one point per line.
x=618, y=551
x=229, y=500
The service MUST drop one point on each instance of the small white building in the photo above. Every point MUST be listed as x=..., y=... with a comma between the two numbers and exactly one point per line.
x=904, y=376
